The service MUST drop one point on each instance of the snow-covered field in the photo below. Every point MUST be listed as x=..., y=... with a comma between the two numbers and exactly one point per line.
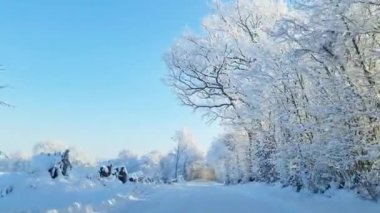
x=93, y=195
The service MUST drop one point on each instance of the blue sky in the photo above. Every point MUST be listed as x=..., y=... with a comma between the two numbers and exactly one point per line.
x=88, y=73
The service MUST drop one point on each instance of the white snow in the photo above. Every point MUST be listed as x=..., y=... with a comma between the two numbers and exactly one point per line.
x=41, y=194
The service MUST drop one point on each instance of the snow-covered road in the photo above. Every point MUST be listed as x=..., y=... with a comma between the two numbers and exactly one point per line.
x=77, y=195
x=195, y=197
x=211, y=197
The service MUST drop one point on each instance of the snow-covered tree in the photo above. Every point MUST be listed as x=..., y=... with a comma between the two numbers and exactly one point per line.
x=186, y=152
x=301, y=79
x=229, y=158
x=167, y=167
x=129, y=159
x=77, y=156
x=150, y=164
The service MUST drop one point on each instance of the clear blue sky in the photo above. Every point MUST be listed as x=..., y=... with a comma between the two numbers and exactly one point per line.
x=88, y=73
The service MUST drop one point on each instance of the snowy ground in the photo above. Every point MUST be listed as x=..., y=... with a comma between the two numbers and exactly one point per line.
x=78, y=195
x=210, y=197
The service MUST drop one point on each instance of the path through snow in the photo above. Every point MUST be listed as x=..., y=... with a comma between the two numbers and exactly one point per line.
x=210, y=197
x=77, y=195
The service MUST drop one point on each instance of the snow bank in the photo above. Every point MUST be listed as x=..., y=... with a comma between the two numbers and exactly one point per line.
x=33, y=193
x=83, y=193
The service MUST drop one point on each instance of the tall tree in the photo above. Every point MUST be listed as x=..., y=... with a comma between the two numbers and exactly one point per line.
x=186, y=152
